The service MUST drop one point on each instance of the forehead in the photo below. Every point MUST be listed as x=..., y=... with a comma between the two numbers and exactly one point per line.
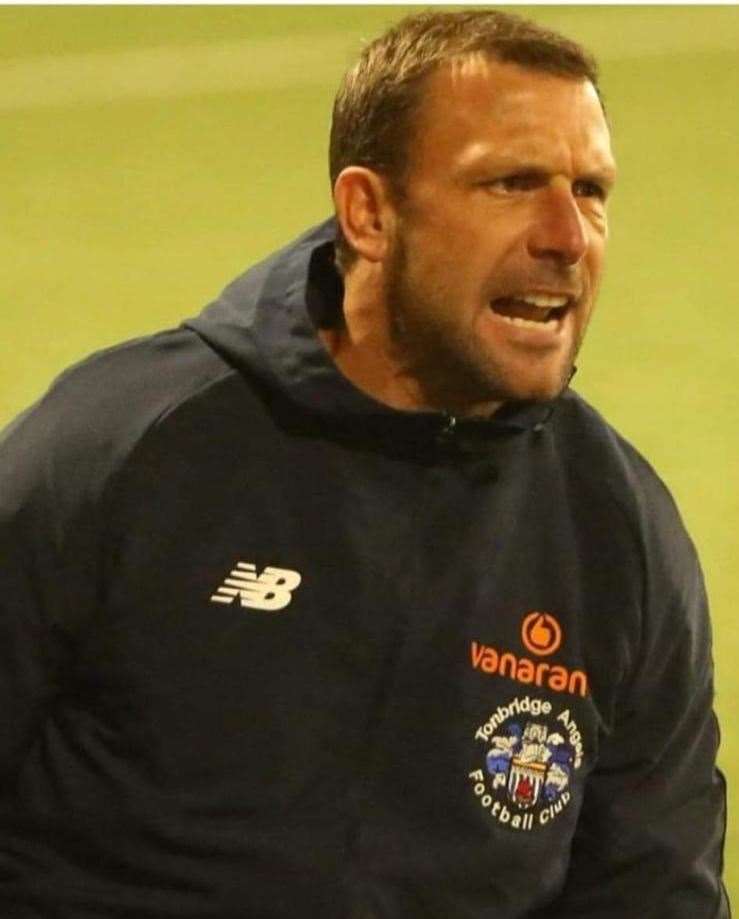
x=475, y=106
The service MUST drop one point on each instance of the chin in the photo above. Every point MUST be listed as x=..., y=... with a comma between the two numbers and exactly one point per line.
x=537, y=390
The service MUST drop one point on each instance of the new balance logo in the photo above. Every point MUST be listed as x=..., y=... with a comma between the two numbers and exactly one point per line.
x=271, y=590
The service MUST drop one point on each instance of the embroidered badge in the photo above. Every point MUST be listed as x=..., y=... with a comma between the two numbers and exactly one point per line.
x=531, y=752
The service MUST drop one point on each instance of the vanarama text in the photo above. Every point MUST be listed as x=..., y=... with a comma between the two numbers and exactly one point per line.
x=524, y=670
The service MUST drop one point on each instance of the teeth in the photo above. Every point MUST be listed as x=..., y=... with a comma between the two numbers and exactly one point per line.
x=549, y=322
x=543, y=301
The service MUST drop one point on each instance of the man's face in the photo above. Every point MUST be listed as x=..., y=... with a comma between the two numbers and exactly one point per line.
x=495, y=265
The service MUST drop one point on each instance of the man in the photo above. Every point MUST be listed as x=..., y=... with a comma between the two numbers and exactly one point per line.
x=336, y=601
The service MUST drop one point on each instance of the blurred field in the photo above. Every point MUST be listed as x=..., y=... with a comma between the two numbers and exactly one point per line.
x=148, y=154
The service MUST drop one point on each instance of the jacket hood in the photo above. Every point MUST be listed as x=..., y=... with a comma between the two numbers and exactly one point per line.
x=265, y=323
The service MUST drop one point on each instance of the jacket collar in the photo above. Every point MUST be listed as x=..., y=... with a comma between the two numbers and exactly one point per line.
x=266, y=322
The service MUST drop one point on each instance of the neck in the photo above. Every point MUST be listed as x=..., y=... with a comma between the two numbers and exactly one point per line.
x=365, y=353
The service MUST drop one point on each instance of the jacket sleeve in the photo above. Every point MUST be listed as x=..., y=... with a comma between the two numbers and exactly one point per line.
x=54, y=467
x=29, y=593
x=59, y=467
x=650, y=835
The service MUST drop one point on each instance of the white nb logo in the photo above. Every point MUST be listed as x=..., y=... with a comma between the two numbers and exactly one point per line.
x=271, y=590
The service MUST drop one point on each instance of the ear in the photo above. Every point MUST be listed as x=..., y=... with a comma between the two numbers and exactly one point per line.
x=365, y=212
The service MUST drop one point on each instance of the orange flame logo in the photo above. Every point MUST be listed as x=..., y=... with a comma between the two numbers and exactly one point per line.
x=541, y=633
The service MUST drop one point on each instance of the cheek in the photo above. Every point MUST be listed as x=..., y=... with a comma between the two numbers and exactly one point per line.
x=595, y=274
x=455, y=259
x=597, y=249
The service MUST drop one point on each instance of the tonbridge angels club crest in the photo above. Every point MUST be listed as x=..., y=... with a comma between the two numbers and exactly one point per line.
x=531, y=756
x=528, y=767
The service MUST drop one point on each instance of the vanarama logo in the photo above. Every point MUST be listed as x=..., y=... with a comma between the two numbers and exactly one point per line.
x=541, y=635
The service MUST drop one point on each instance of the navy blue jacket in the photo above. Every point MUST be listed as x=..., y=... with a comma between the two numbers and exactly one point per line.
x=269, y=649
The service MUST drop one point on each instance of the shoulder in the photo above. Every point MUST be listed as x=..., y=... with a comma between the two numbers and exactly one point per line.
x=598, y=453
x=673, y=621
x=129, y=385
x=69, y=443
x=609, y=469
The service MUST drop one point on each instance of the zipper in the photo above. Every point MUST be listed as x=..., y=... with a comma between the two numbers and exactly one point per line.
x=447, y=431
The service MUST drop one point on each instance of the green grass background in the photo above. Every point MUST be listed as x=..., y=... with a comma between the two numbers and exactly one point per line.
x=133, y=188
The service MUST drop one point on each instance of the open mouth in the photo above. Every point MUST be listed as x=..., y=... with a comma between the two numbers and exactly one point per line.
x=532, y=309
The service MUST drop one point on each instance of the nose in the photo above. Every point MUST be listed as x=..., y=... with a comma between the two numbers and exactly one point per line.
x=558, y=233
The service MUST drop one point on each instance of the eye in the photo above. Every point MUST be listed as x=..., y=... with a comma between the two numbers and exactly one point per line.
x=519, y=181
x=587, y=188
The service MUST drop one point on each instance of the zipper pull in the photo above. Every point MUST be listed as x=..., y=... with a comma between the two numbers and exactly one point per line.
x=447, y=432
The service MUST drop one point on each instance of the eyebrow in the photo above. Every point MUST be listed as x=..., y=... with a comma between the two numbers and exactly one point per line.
x=604, y=175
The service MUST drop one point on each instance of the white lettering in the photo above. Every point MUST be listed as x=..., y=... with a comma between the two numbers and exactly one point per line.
x=524, y=705
x=574, y=736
